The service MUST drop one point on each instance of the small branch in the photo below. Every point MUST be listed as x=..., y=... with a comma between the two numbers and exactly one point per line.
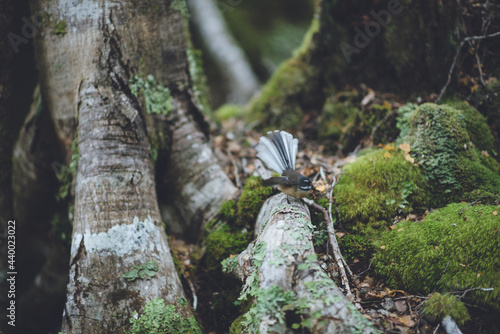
x=470, y=204
x=327, y=216
x=335, y=247
x=193, y=291
x=235, y=166
x=466, y=39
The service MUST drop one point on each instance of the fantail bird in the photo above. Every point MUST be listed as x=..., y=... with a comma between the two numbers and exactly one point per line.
x=279, y=152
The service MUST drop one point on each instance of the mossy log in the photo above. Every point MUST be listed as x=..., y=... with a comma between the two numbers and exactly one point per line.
x=282, y=274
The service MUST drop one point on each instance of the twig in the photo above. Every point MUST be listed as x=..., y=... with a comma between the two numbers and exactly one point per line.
x=437, y=327
x=193, y=291
x=470, y=204
x=235, y=167
x=327, y=216
x=364, y=271
x=466, y=39
x=335, y=247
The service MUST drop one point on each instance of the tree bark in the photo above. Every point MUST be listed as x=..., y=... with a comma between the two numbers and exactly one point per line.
x=87, y=54
x=287, y=261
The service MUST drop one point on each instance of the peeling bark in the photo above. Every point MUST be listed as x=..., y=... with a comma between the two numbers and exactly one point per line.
x=288, y=262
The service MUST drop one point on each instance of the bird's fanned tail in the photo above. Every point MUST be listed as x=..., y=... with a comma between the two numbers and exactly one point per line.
x=278, y=151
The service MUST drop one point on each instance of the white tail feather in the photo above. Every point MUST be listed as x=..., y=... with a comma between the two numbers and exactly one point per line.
x=278, y=153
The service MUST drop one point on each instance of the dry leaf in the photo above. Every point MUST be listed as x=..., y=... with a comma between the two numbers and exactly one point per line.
x=495, y=213
x=387, y=155
x=405, y=147
x=389, y=147
x=321, y=188
x=339, y=234
x=382, y=247
x=485, y=153
x=400, y=229
x=409, y=158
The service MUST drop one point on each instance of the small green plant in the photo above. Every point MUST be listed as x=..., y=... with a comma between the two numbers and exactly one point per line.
x=439, y=306
x=157, y=98
x=145, y=271
x=59, y=27
x=158, y=318
x=402, y=119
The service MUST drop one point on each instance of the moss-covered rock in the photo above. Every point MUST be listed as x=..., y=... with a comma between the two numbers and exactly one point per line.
x=453, y=248
x=376, y=187
x=476, y=126
x=451, y=145
x=345, y=124
x=439, y=306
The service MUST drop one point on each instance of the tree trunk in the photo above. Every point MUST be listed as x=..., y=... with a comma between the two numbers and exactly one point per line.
x=282, y=259
x=87, y=55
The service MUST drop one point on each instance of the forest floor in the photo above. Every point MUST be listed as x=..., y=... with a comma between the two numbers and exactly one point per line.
x=391, y=311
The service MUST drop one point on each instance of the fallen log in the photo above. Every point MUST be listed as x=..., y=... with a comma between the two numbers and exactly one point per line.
x=289, y=289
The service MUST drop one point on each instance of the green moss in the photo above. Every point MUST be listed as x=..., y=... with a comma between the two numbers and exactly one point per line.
x=67, y=174
x=200, y=88
x=344, y=123
x=447, y=250
x=251, y=200
x=338, y=117
x=227, y=111
x=181, y=6
x=284, y=95
x=439, y=306
x=402, y=123
x=227, y=211
x=61, y=227
x=354, y=246
x=145, y=271
x=221, y=243
x=442, y=140
x=476, y=126
x=59, y=27
x=157, y=98
x=374, y=189
x=158, y=318
x=269, y=301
